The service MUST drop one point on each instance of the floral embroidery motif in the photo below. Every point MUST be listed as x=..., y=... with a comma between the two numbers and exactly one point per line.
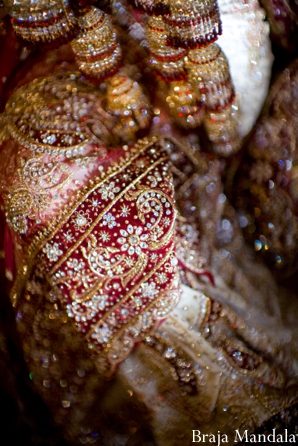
x=68, y=237
x=81, y=221
x=31, y=194
x=108, y=191
x=125, y=211
x=109, y=220
x=52, y=251
x=118, y=277
x=104, y=236
x=149, y=289
x=50, y=126
x=133, y=240
x=94, y=204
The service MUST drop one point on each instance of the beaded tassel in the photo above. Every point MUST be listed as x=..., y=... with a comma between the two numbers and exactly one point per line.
x=209, y=74
x=99, y=57
x=167, y=63
x=97, y=51
x=47, y=22
x=126, y=100
x=221, y=128
x=192, y=23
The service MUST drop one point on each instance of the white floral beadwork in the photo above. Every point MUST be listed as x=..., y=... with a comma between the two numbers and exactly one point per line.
x=133, y=240
x=109, y=220
x=94, y=204
x=68, y=237
x=52, y=251
x=125, y=211
x=149, y=289
x=108, y=191
x=104, y=236
x=102, y=334
x=75, y=265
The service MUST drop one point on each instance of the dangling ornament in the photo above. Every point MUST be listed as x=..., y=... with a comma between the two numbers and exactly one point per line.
x=192, y=23
x=221, y=129
x=47, y=22
x=126, y=100
x=183, y=105
x=209, y=73
x=167, y=63
x=97, y=51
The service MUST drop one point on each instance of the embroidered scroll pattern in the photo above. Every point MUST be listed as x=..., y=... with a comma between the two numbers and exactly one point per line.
x=118, y=276
x=53, y=122
x=31, y=194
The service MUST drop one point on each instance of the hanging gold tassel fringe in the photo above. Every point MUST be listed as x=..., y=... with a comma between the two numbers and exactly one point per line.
x=96, y=49
x=192, y=23
x=47, y=22
x=221, y=128
x=126, y=100
x=152, y=7
x=209, y=73
x=167, y=63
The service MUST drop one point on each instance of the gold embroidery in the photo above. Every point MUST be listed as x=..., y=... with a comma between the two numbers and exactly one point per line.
x=31, y=195
x=181, y=381
x=105, y=214
x=135, y=331
x=53, y=226
x=49, y=120
x=110, y=263
x=116, y=278
x=145, y=199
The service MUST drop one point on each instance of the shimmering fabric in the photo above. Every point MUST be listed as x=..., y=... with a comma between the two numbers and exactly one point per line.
x=251, y=60
x=282, y=16
x=267, y=193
